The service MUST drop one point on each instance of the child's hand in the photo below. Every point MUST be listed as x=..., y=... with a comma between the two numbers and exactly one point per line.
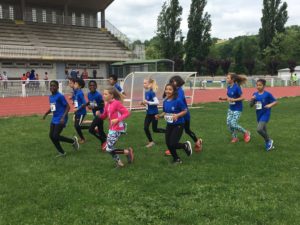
x=230, y=99
x=44, y=117
x=253, y=97
x=98, y=113
x=142, y=103
x=268, y=106
x=175, y=117
x=157, y=117
x=114, y=121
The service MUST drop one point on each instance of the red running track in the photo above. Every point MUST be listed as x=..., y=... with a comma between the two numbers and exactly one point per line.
x=39, y=105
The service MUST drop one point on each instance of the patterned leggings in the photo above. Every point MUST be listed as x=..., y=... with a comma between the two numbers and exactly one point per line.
x=111, y=141
x=232, y=122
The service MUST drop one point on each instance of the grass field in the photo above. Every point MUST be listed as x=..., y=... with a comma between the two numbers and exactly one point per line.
x=225, y=184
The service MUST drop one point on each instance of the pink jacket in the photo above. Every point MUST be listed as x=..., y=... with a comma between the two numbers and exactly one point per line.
x=115, y=110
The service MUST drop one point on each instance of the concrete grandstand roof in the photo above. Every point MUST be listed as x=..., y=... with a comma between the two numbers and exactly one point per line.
x=94, y=5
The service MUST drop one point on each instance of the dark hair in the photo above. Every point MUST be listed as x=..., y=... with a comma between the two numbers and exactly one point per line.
x=72, y=79
x=54, y=81
x=240, y=79
x=179, y=81
x=80, y=82
x=92, y=81
x=263, y=81
x=114, y=77
x=175, y=92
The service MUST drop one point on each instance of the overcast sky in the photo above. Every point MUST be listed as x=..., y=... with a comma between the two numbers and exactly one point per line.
x=230, y=18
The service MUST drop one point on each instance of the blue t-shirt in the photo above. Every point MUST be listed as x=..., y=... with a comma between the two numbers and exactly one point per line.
x=171, y=107
x=151, y=109
x=261, y=100
x=235, y=91
x=181, y=96
x=118, y=87
x=79, y=100
x=95, y=100
x=58, y=105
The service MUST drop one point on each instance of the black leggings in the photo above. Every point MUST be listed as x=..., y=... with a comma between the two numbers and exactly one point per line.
x=151, y=119
x=173, y=135
x=56, y=138
x=188, y=131
x=97, y=122
x=77, y=125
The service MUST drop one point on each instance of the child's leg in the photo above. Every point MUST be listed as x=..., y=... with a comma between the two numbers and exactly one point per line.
x=146, y=127
x=173, y=135
x=97, y=122
x=262, y=130
x=56, y=138
x=234, y=123
x=155, y=124
x=229, y=123
x=112, y=139
x=77, y=125
x=188, y=131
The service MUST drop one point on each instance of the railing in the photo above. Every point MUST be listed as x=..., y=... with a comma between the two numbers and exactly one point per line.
x=18, y=88
x=117, y=33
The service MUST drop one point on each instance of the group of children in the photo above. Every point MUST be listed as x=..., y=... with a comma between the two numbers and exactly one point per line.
x=175, y=112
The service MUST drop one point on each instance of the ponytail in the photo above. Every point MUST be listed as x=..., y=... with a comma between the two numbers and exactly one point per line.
x=239, y=79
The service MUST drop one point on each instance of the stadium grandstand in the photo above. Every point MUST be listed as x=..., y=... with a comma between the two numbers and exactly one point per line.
x=57, y=36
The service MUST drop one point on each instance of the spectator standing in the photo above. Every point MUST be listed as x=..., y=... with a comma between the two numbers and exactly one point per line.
x=94, y=74
x=73, y=74
x=85, y=75
x=46, y=79
x=5, y=79
x=24, y=78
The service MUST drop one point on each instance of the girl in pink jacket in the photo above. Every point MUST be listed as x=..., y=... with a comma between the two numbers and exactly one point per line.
x=116, y=113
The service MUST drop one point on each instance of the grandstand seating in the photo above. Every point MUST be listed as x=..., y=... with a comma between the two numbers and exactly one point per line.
x=35, y=40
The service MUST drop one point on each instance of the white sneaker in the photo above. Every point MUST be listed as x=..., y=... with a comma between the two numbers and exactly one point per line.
x=150, y=144
x=76, y=143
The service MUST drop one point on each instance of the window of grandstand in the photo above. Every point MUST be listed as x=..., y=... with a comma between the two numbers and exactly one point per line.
x=71, y=65
x=47, y=65
x=21, y=64
x=73, y=19
x=34, y=64
x=7, y=64
x=53, y=17
x=44, y=16
x=11, y=13
x=94, y=66
x=34, y=19
x=1, y=12
x=91, y=21
x=82, y=65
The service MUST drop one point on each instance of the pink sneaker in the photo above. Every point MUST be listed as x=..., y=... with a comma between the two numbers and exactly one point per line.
x=247, y=137
x=198, y=145
x=167, y=152
x=234, y=140
x=103, y=147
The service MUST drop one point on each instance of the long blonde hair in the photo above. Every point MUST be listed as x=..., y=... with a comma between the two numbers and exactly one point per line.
x=153, y=84
x=240, y=79
x=115, y=93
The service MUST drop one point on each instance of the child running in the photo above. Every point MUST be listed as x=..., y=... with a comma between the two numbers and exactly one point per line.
x=116, y=113
x=60, y=108
x=263, y=102
x=113, y=80
x=151, y=103
x=179, y=82
x=174, y=111
x=96, y=104
x=235, y=99
x=79, y=105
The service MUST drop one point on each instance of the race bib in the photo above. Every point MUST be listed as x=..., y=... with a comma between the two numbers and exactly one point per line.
x=169, y=117
x=52, y=107
x=93, y=104
x=76, y=104
x=258, y=105
x=231, y=103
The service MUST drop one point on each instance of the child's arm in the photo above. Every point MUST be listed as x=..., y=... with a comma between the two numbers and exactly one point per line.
x=46, y=114
x=124, y=112
x=62, y=119
x=223, y=99
x=154, y=102
x=271, y=105
x=178, y=115
x=104, y=115
x=161, y=115
x=252, y=101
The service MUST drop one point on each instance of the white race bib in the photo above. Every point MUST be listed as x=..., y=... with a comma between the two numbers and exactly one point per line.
x=52, y=107
x=146, y=106
x=169, y=117
x=231, y=103
x=258, y=105
x=93, y=104
x=76, y=104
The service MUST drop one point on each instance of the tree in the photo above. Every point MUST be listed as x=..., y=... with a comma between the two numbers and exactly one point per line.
x=225, y=65
x=274, y=17
x=250, y=65
x=273, y=66
x=212, y=66
x=198, y=37
x=239, y=56
x=168, y=30
x=153, y=50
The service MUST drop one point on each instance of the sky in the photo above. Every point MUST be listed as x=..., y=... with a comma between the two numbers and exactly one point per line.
x=230, y=18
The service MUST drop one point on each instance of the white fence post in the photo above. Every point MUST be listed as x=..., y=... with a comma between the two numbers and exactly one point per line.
x=272, y=82
x=23, y=90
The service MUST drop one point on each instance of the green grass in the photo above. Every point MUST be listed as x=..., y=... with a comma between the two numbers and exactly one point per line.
x=225, y=184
